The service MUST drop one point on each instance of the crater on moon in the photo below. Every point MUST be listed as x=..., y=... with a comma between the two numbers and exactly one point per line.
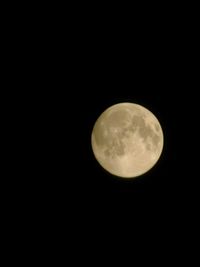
x=127, y=140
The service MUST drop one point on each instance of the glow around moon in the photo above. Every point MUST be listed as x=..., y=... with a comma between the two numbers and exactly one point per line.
x=127, y=140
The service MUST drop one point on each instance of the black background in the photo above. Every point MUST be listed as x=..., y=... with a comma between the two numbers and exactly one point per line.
x=69, y=69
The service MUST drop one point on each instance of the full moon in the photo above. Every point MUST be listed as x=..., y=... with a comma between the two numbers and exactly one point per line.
x=127, y=140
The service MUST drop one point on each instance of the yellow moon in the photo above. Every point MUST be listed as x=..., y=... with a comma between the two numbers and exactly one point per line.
x=127, y=140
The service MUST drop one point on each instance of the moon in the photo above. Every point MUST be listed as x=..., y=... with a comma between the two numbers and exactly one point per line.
x=127, y=140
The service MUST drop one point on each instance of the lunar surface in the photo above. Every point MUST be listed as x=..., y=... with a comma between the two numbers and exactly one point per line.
x=127, y=140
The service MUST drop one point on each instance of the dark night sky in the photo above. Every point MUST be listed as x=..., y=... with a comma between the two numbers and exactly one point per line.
x=151, y=71
x=103, y=66
x=81, y=65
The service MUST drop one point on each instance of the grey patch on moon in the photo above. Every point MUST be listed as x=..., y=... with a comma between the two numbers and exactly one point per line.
x=148, y=146
x=145, y=131
x=99, y=136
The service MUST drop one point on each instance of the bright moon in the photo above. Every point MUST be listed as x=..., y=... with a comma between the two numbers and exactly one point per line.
x=127, y=140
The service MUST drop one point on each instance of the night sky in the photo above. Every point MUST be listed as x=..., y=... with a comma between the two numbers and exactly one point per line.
x=69, y=69
x=104, y=69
